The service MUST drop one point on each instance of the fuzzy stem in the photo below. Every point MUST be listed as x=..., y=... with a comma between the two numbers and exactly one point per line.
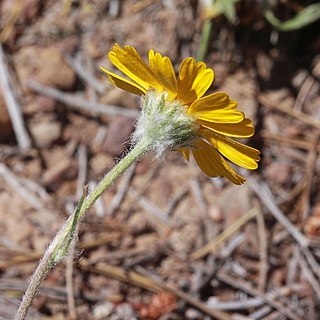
x=60, y=244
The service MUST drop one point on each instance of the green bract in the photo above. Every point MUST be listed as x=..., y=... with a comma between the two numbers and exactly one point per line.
x=165, y=124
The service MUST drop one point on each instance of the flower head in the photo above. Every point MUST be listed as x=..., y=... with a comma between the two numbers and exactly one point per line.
x=207, y=123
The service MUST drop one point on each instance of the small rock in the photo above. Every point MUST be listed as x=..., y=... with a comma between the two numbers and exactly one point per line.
x=278, y=277
x=64, y=170
x=147, y=241
x=312, y=224
x=279, y=172
x=160, y=304
x=93, y=48
x=165, y=188
x=118, y=97
x=118, y=135
x=193, y=314
x=101, y=311
x=298, y=80
x=45, y=132
x=216, y=214
x=29, y=9
x=45, y=65
x=100, y=163
x=123, y=311
x=184, y=240
x=234, y=202
x=81, y=129
x=138, y=223
x=36, y=104
x=25, y=11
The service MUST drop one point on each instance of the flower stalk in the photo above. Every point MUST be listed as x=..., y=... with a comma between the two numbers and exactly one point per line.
x=175, y=115
x=61, y=243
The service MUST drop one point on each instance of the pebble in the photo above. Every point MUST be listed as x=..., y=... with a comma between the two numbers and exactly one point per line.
x=279, y=172
x=118, y=134
x=100, y=163
x=45, y=65
x=138, y=223
x=45, y=132
x=101, y=311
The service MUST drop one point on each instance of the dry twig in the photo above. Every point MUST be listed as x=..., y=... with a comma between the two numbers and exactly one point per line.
x=307, y=85
x=84, y=74
x=14, y=182
x=309, y=276
x=12, y=105
x=267, y=102
x=173, y=203
x=148, y=283
x=263, y=251
x=224, y=235
x=308, y=178
x=262, y=190
x=312, y=262
x=157, y=216
x=21, y=257
x=288, y=311
x=77, y=102
x=295, y=142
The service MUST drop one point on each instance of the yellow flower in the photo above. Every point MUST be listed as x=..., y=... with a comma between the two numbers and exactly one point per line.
x=216, y=114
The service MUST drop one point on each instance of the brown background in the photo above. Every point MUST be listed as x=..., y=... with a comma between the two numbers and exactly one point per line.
x=130, y=251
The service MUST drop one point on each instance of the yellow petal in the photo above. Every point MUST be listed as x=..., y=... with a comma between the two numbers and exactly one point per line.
x=131, y=64
x=214, y=101
x=216, y=107
x=123, y=83
x=194, y=80
x=205, y=158
x=163, y=68
x=240, y=154
x=220, y=116
x=185, y=153
x=243, y=129
x=213, y=164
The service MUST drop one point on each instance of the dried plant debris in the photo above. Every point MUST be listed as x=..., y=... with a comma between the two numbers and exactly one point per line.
x=165, y=242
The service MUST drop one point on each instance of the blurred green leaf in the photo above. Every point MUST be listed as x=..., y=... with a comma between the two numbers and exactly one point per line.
x=213, y=9
x=225, y=7
x=303, y=18
x=228, y=9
